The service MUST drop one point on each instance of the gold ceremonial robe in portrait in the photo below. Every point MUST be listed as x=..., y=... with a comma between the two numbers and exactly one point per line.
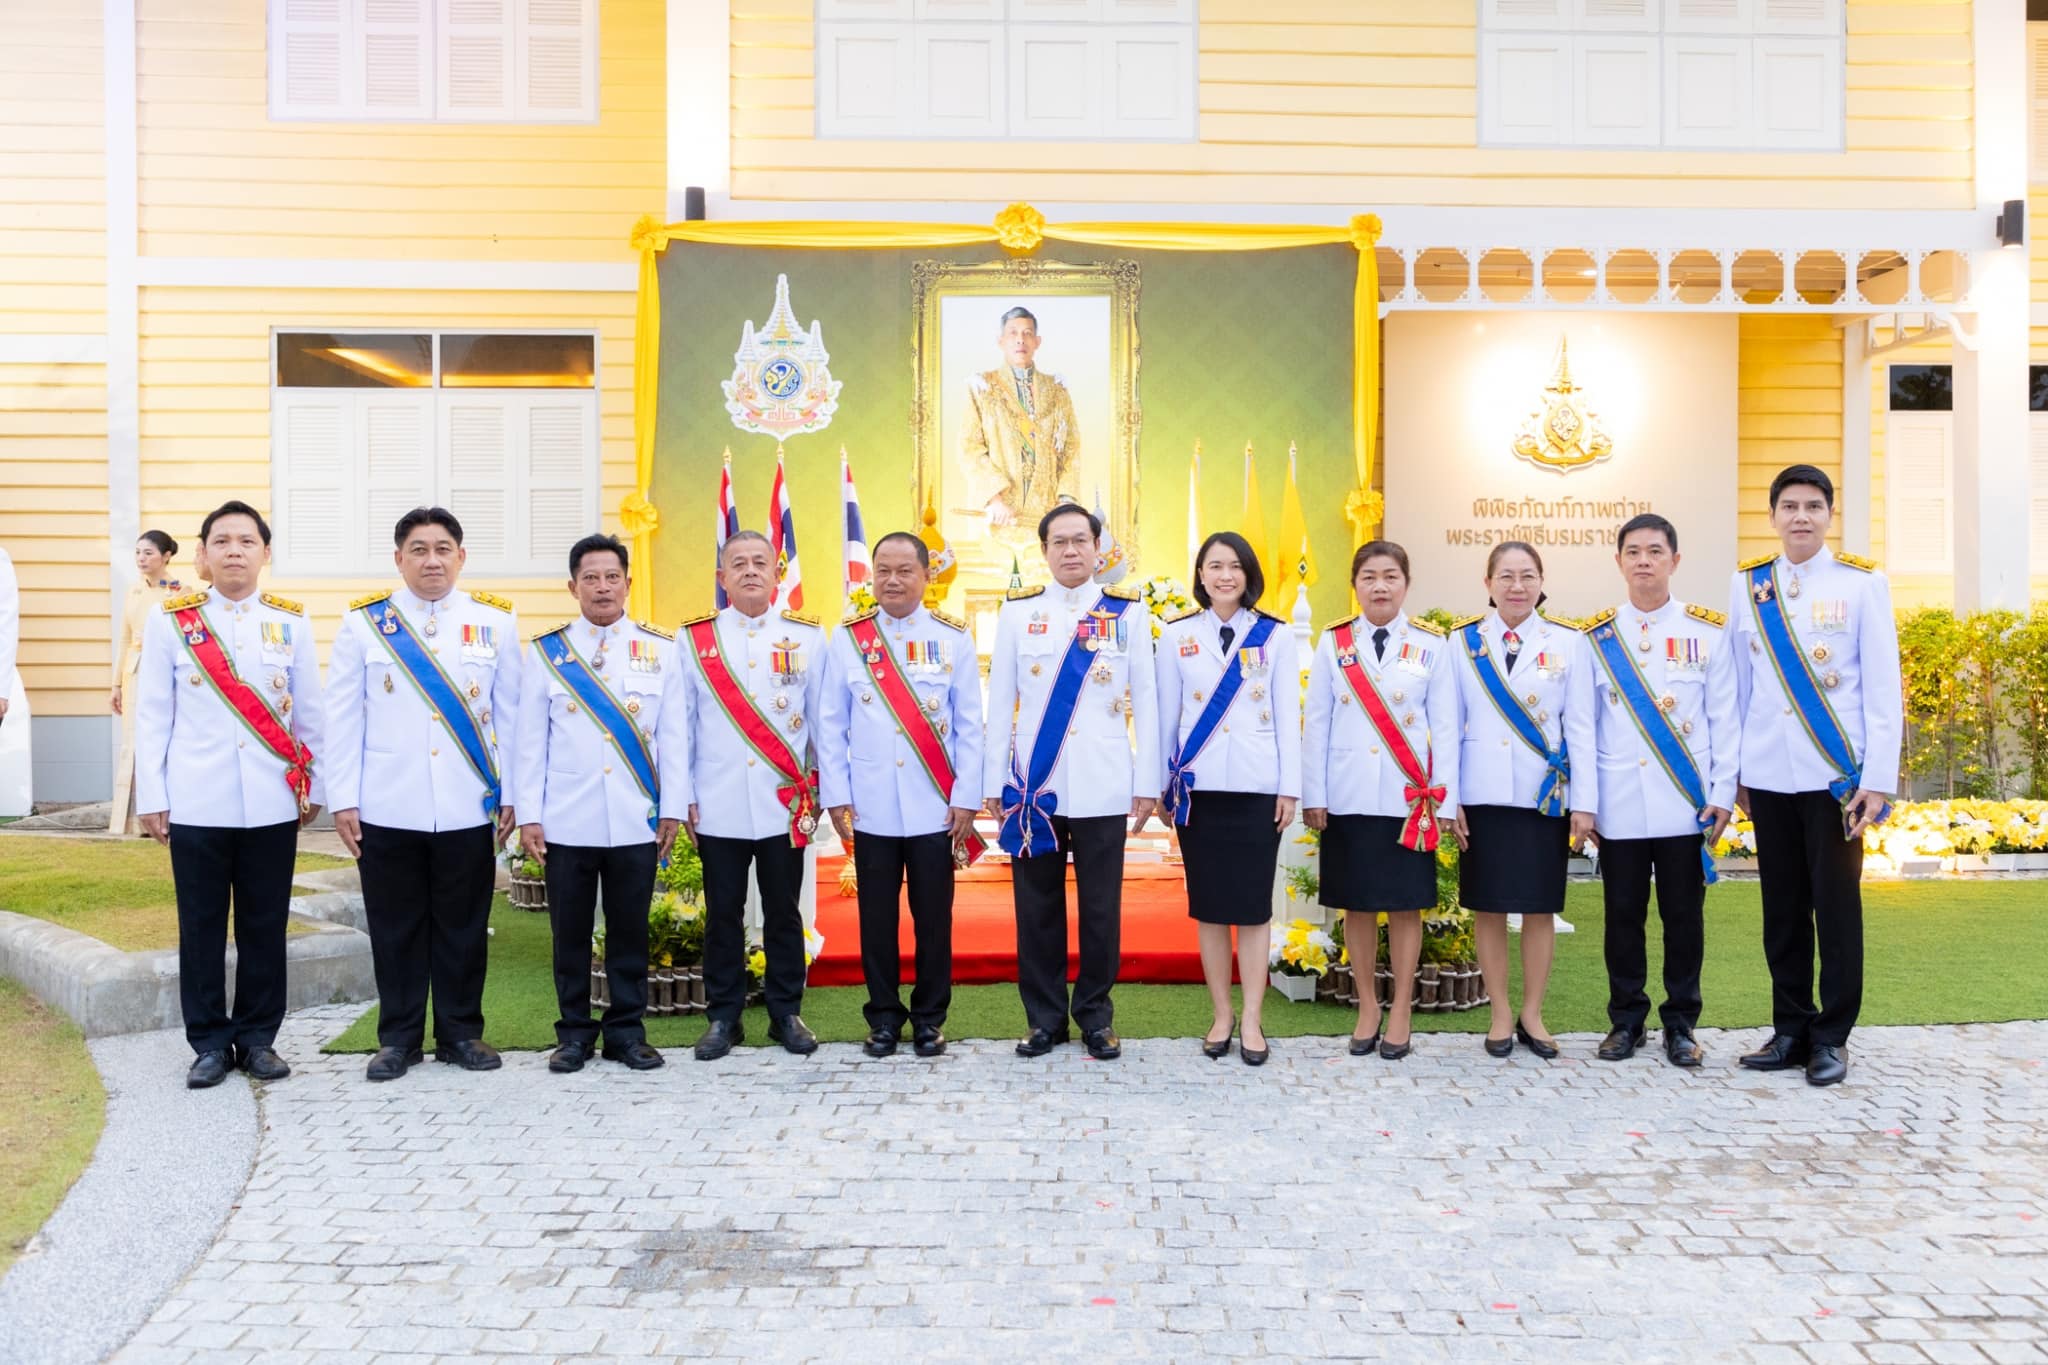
x=1018, y=454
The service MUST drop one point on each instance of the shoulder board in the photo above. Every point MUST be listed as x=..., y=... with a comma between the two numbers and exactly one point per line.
x=190, y=599
x=271, y=599
x=1425, y=625
x=1707, y=614
x=1344, y=621
x=697, y=619
x=1019, y=594
x=1568, y=622
x=1598, y=618
x=800, y=618
x=1857, y=561
x=1746, y=565
x=955, y=622
x=656, y=631
x=1261, y=611
x=491, y=599
x=1124, y=594
x=369, y=600
x=1464, y=621
x=855, y=617
x=1183, y=615
x=551, y=630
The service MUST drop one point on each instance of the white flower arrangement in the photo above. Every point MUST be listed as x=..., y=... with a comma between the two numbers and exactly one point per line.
x=1165, y=598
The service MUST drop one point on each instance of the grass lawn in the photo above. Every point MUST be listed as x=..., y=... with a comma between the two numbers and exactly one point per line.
x=1936, y=953
x=51, y=1111
x=116, y=890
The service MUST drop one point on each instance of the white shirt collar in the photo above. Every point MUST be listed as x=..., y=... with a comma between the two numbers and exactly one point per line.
x=1630, y=612
x=415, y=605
x=595, y=630
x=1083, y=596
x=743, y=619
x=1821, y=559
x=902, y=623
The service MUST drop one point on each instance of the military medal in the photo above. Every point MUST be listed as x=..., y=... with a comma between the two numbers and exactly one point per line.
x=433, y=626
x=931, y=704
x=1792, y=587
x=1345, y=657
x=387, y=682
x=781, y=702
x=196, y=636
x=632, y=704
x=1100, y=673
x=1259, y=692
x=1762, y=593
x=1832, y=679
x=1643, y=641
x=475, y=689
x=388, y=623
x=783, y=661
x=796, y=723
x=1667, y=702
x=277, y=681
x=1820, y=653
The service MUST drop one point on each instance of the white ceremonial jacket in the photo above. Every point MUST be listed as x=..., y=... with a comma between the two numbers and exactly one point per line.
x=1554, y=676
x=1684, y=655
x=1840, y=612
x=865, y=761
x=1257, y=747
x=733, y=789
x=194, y=757
x=1112, y=748
x=390, y=756
x=1345, y=767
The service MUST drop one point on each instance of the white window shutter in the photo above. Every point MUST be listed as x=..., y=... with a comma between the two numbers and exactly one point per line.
x=960, y=80
x=1919, y=529
x=477, y=472
x=866, y=80
x=1815, y=18
x=557, y=62
x=1524, y=14
x=1525, y=89
x=477, y=50
x=1706, y=92
x=559, y=492
x=397, y=441
x=2037, y=461
x=2037, y=102
x=1057, y=86
x=1798, y=90
x=311, y=62
x=1708, y=16
x=1616, y=100
x=396, y=48
x=315, y=473
x=1632, y=16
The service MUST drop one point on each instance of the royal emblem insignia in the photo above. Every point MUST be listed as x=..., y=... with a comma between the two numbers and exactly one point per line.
x=780, y=384
x=1566, y=434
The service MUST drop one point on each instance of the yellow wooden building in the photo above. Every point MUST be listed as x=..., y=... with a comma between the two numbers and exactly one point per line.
x=337, y=257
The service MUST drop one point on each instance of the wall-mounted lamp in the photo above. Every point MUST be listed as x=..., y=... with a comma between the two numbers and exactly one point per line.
x=2012, y=223
x=693, y=204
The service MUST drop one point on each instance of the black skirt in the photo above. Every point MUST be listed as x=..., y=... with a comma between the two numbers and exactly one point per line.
x=1229, y=848
x=1516, y=864
x=1365, y=868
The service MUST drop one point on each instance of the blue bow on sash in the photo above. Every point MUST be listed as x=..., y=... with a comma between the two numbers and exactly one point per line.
x=1180, y=777
x=1655, y=727
x=1550, y=797
x=1028, y=806
x=604, y=710
x=1796, y=674
x=441, y=695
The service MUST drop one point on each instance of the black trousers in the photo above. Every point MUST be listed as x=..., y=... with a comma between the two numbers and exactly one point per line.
x=1626, y=868
x=1813, y=893
x=427, y=897
x=779, y=867
x=881, y=864
x=1040, y=889
x=213, y=866
x=576, y=873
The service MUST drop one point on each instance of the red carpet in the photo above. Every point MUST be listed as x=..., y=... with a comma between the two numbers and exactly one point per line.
x=1158, y=936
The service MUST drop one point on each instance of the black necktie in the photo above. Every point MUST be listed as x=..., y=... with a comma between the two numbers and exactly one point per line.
x=1227, y=634
x=1379, y=642
x=1514, y=644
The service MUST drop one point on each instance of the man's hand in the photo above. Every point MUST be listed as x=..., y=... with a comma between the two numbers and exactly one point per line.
x=1461, y=830
x=664, y=839
x=690, y=825
x=1863, y=810
x=115, y=701
x=959, y=822
x=1742, y=801
x=349, y=825
x=1713, y=820
x=3, y=707
x=307, y=816
x=1283, y=812
x=1143, y=808
x=993, y=808
x=1316, y=817
x=533, y=845
x=999, y=513
x=157, y=825
x=507, y=822
x=842, y=820
x=1582, y=829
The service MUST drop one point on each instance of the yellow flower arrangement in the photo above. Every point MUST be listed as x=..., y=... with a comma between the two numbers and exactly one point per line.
x=1929, y=829
x=1165, y=598
x=1305, y=950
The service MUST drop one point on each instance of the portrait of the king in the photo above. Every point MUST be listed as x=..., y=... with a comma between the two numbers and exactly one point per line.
x=1020, y=441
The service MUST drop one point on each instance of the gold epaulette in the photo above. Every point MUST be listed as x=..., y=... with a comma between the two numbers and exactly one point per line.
x=190, y=599
x=1019, y=594
x=1857, y=561
x=369, y=599
x=855, y=617
x=945, y=620
x=656, y=630
x=1183, y=615
x=1598, y=618
x=1464, y=621
x=271, y=599
x=1426, y=625
x=551, y=630
x=698, y=619
x=1124, y=594
x=1261, y=611
x=1340, y=621
x=800, y=618
x=1707, y=614
x=1746, y=565
x=491, y=599
x=1568, y=622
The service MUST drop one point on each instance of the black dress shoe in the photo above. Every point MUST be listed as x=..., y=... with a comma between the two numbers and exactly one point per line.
x=1103, y=1044
x=1782, y=1053
x=569, y=1057
x=1040, y=1041
x=1542, y=1047
x=794, y=1035
x=391, y=1062
x=1826, y=1065
x=208, y=1070
x=1217, y=1051
x=1254, y=1056
x=1366, y=1047
x=1501, y=1047
x=929, y=1041
x=637, y=1055
x=1620, y=1044
x=1682, y=1049
x=1394, y=1052
x=263, y=1064
x=471, y=1054
x=881, y=1042
x=722, y=1037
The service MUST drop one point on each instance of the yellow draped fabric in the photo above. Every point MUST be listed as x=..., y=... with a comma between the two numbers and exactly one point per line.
x=1019, y=228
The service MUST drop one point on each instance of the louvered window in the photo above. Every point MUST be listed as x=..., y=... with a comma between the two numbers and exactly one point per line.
x=500, y=428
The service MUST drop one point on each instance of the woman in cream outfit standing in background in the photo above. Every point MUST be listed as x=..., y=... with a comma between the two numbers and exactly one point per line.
x=153, y=553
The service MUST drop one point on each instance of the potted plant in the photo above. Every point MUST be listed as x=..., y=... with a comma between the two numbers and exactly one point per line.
x=600, y=984
x=757, y=972
x=1299, y=960
x=661, y=938
x=529, y=890
x=688, y=952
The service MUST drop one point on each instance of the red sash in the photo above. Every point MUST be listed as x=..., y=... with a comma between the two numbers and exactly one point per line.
x=911, y=719
x=1420, y=830
x=246, y=702
x=799, y=789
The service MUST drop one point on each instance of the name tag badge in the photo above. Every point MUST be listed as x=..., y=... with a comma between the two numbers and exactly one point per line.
x=1190, y=647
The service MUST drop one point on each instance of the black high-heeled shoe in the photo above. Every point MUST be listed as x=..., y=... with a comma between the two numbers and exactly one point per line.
x=1394, y=1052
x=1501, y=1047
x=1366, y=1047
x=1218, y=1051
x=1254, y=1056
x=1543, y=1049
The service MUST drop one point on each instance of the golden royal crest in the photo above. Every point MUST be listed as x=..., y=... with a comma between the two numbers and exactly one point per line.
x=1566, y=434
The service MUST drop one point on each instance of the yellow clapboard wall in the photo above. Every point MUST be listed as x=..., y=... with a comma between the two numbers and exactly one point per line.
x=1369, y=102
x=1788, y=411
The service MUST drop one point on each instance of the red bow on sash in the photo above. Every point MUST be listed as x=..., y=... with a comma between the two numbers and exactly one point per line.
x=1419, y=831
x=247, y=703
x=800, y=799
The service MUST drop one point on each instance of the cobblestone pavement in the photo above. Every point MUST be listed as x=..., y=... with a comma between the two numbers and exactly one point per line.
x=987, y=1208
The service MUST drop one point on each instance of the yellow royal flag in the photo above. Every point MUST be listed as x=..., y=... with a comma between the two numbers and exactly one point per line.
x=1292, y=561
x=1252, y=524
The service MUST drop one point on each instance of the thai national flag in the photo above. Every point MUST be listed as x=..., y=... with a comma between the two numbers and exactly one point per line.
x=858, y=566
x=728, y=526
x=789, y=593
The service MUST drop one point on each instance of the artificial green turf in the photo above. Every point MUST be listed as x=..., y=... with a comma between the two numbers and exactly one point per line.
x=1945, y=952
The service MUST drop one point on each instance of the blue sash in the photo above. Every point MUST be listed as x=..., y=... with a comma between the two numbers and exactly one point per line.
x=439, y=692
x=1027, y=806
x=1550, y=797
x=1180, y=778
x=1655, y=727
x=1796, y=676
x=605, y=712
